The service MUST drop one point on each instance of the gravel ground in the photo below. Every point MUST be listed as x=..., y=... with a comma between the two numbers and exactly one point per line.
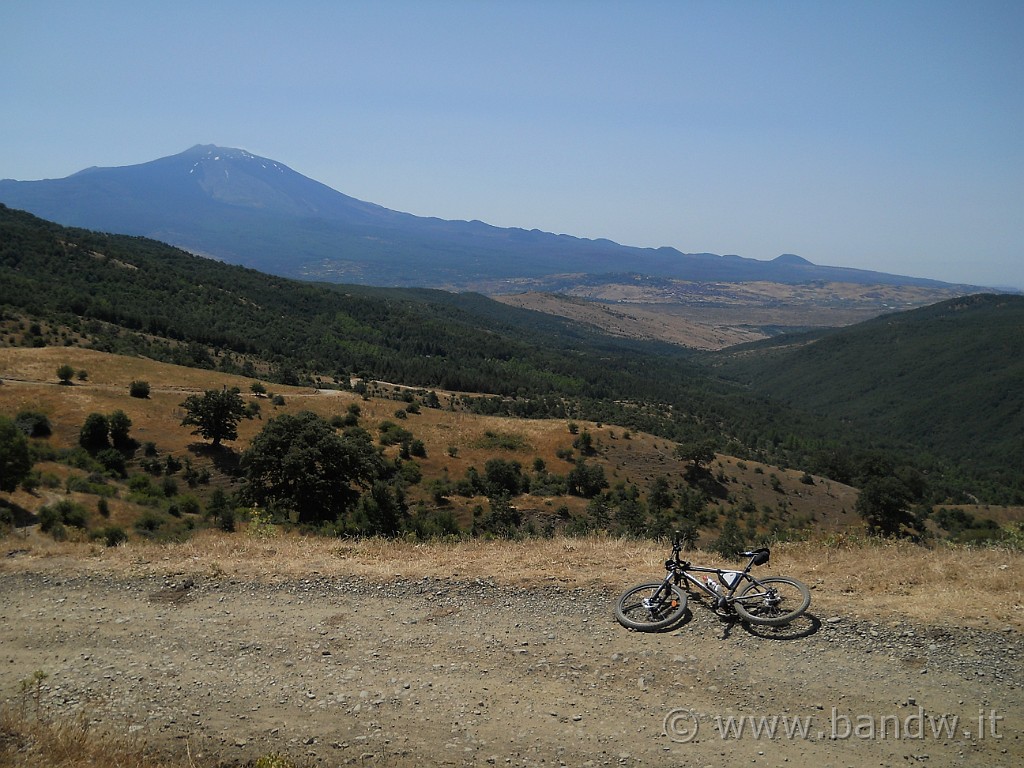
x=440, y=672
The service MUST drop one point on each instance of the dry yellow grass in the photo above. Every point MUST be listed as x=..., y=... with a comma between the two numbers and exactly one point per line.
x=34, y=741
x=878, y=580
x=454, y=440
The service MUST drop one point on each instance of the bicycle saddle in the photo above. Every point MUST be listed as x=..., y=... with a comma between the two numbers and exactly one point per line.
x=760, y=556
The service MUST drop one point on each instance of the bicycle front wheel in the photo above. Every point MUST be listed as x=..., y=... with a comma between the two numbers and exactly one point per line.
x=772, y=601
x=651, y=607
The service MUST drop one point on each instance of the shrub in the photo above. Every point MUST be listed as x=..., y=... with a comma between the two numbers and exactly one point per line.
x=65, y=373
x=139, y=389
x=226, y=520
x=33, y=424
x=392, y=434
x=53, y=518
x=113, y=461
x=150, y=522
x=112, y=535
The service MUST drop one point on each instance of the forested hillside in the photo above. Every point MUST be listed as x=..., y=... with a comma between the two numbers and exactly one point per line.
x=946, y=379
x=139, y=297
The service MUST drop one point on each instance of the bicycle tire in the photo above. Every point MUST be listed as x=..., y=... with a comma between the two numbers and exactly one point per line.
x=791, y=599
x=631, y=612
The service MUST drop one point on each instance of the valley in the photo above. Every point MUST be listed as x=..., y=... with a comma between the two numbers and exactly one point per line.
x=711, y=316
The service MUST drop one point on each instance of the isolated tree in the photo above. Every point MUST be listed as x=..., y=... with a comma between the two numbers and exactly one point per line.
x=65, y=373
x=215, y=415
x=697, y=453
x=139, y=389
x=299, y=464
x=584, y=443
x=15, y=459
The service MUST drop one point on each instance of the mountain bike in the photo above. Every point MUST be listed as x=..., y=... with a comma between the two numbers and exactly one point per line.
x=772, y=601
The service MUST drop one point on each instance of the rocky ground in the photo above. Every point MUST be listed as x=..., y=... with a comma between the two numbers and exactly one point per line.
x=439, y=672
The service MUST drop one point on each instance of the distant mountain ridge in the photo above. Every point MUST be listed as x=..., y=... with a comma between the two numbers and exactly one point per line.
x=240, y=208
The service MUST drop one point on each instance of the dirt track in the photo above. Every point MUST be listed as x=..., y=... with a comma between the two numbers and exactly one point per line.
x=432, y=672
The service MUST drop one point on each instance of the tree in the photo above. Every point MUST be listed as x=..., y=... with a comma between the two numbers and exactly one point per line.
x=885, y=505
x=65, y=373
x=382, y=510
x=503, y=477
x=215, y=415
x=586, y=480
x=300, y=464
x=95, y=432
x=730, y=540
x=15, y=459
x=33, y=424
x=139, y=389
x=120, y=424
x=659, y=495
x=697, y=454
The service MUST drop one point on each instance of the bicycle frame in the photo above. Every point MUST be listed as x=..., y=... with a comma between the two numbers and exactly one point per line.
x=682, y=570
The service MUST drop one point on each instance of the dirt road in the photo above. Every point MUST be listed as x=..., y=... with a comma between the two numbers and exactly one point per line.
x=433, y=672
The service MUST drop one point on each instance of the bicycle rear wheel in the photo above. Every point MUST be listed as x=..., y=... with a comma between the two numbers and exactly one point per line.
x=651, y=607
x=772, y=601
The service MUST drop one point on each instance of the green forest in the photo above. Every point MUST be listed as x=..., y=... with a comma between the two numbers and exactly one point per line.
x=808, y=405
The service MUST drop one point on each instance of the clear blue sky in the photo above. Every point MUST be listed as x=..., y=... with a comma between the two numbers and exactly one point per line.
x=882, y=135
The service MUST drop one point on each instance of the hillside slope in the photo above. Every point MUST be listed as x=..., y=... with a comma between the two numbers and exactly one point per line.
x=948, y=378
x=140, y=297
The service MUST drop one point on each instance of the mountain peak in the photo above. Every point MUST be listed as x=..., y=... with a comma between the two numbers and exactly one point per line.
x=792, y=258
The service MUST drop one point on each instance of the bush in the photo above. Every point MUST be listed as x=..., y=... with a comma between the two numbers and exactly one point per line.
x=226, y=520
x=139, y=389
x=113, y=461
x=65, y=373
x=53, y=518
x=33, y=424
x=112, y=535
x=150, y=522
